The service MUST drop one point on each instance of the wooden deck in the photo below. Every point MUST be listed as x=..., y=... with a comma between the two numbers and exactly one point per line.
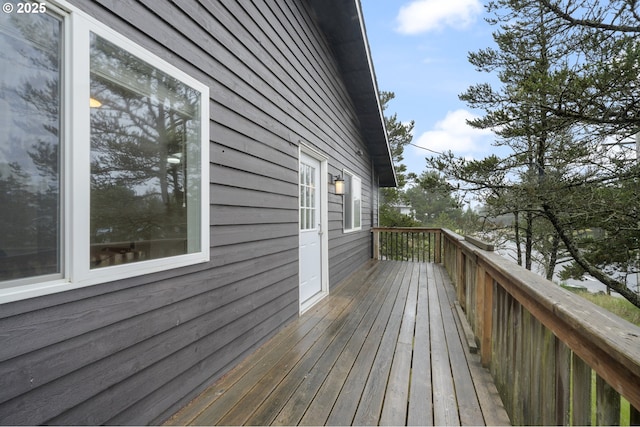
x=385, y=348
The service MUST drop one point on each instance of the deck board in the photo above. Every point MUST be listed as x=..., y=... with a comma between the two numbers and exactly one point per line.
x=468, y=404
x=370, y=403
x=384, y=348
x=420, y=411
x=445, y=406
x=394, y=409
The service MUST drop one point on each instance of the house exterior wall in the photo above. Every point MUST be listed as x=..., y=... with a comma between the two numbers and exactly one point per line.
x=134, y=351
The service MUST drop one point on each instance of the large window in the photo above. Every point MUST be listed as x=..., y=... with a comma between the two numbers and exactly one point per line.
x=145, y=157
x=30, y=115
x=103, y=156
x=352, y=202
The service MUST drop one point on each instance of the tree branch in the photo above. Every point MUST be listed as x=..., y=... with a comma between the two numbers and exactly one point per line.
x=617, y=286
x=589, y=23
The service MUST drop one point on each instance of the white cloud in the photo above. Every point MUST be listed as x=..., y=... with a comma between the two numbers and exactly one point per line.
x=453, y=133
x=425, y=15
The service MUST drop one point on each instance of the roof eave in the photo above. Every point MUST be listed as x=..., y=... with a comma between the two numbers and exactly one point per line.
x=342, y=22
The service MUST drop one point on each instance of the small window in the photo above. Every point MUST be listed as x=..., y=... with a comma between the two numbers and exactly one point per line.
x=352, y=202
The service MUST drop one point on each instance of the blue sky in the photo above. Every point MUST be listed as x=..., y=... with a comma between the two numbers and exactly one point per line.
x=419, y=51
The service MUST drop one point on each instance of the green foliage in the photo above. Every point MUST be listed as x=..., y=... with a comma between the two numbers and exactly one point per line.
x=391, y=217
x=565, y=88
x=431, y=198
x=399, y=135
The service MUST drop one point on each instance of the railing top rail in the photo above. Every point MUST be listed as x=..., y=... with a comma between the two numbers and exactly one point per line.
x=451, y=235
x=480, y=244
x=408, y=229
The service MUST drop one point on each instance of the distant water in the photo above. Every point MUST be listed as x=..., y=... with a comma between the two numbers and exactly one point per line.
x=589, y=283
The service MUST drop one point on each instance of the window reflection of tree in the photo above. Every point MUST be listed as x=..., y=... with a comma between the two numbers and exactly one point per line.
x=139, y=142
x=29, y=169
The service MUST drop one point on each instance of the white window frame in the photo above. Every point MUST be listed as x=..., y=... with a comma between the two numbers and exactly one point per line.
x=354, y=178
x=75, y=165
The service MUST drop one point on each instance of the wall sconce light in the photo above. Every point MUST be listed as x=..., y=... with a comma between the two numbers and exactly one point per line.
x=339, y=183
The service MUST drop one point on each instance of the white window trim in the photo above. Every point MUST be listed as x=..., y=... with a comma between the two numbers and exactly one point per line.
x=75, y=164
x=344, y=228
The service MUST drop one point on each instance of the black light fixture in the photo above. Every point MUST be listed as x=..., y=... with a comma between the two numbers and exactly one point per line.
x=339, y=183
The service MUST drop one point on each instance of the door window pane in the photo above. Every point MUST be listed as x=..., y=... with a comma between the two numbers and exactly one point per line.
x=30, y=107
x=145, y=160
x=307, y=197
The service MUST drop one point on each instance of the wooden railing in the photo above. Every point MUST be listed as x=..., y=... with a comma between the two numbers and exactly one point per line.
x=556, y=358
x=407, y=244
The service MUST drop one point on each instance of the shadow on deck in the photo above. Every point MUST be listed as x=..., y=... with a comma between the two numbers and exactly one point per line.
x=385, y=348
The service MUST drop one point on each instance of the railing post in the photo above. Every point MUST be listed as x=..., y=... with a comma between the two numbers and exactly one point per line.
x=438, y=248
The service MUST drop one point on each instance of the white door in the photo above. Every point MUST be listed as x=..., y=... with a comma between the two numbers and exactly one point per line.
x=310, y=247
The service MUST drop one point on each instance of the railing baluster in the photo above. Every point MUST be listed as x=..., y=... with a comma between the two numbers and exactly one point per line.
x=406, y=236
x=581, y=400
x=387, y=245
x=412, y=248
x=607, y=404
x=634, y=416
x=395, y=246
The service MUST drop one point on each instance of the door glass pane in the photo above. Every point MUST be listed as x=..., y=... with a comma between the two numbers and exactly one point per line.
x=145, y=160
x=30, y=107
x=307, y=197
x=312, y=202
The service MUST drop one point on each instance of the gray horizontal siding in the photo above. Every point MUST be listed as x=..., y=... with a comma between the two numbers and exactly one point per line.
x=135, y=351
